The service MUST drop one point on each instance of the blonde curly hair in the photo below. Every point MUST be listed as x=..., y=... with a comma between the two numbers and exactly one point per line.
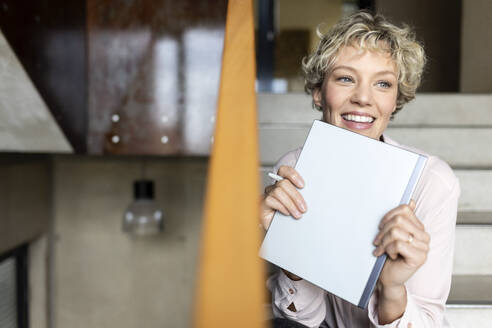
x=368, y=31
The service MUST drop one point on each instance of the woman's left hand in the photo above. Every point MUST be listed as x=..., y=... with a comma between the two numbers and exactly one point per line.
x=403, y=238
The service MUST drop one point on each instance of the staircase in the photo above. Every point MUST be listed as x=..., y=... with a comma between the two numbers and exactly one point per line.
x=455, y=127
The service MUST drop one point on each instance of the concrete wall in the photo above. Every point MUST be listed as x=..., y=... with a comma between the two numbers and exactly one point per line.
x=437, y=24
x=69, y=208
x=476, y=49
x=25, y=199
x=104, y=278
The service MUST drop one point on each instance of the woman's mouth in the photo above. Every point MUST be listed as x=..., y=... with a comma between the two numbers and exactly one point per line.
x=358, y=122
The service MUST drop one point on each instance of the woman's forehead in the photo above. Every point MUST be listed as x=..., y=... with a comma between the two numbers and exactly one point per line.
x=354, y=54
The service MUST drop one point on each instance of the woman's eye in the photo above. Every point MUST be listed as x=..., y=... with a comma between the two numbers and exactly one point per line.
x=384, y=84
x=345, y=79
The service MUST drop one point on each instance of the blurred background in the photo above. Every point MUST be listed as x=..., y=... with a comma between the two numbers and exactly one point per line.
x=98, y=95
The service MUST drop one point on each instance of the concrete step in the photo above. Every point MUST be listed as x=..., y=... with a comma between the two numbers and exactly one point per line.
x=470, y=301
x=476, y=190
x=288, y=108
x=460, y=147
x=471, y=290
x=469, y=317
x=472, y=253
x=426, y=110
x=474, y=218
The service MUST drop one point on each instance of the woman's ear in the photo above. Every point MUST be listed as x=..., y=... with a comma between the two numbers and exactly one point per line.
x=317, y=97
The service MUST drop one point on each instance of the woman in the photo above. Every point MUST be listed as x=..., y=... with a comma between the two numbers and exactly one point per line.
x=362, y=73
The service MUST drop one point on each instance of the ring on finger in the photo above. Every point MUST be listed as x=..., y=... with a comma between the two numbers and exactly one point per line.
x=410, y=238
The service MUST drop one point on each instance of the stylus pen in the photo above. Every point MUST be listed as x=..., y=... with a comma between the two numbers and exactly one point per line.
x=275, y=177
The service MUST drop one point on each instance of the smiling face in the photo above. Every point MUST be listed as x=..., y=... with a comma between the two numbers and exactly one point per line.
x=359, y=92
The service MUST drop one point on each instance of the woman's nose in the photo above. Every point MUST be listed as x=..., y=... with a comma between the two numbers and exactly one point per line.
x=362, y=95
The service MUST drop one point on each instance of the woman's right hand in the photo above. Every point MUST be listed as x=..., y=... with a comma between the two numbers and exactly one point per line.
x=283, y=197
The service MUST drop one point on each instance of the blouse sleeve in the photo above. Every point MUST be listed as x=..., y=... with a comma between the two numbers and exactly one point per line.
x=428, y=289
x=308, y=299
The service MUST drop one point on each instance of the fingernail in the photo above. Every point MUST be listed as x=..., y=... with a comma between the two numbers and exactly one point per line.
x=303, y=207
x=298, y=181
x=376, y=240
x=297, y=215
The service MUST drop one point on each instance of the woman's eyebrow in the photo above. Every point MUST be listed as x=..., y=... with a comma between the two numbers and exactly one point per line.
x=343, y=67
x=385, y=72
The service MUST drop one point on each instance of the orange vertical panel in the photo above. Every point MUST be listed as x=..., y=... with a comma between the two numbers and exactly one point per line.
x=230, y=284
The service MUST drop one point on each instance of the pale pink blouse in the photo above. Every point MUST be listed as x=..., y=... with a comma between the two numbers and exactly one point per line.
x=436, y=196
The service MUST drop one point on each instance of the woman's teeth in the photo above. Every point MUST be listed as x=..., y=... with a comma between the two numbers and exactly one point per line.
x=358, y=118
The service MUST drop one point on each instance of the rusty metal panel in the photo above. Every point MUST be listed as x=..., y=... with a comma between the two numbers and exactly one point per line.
x=154, y=69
